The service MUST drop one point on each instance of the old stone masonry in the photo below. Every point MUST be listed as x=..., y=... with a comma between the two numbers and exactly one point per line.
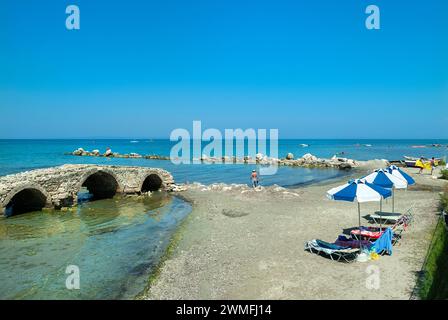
x=59, y=186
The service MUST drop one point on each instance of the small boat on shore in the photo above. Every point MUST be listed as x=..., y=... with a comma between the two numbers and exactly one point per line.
x=410, y=161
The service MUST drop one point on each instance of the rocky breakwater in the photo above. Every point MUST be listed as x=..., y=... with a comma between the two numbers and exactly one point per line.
x=109, y=154
x=308, y=160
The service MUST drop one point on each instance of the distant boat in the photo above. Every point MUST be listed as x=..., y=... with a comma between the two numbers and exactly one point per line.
x=367, y=145
x=134, y=141
x=304, y=145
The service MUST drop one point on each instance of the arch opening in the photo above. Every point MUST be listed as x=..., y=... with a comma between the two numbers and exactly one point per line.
x=152, y=183
x=101, y=185
x=26, y=200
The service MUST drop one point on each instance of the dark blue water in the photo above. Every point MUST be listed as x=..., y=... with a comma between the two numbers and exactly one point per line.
x=21, y=155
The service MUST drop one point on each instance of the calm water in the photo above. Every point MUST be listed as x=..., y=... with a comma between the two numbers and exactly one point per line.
x=114, y=242
x=20, y=155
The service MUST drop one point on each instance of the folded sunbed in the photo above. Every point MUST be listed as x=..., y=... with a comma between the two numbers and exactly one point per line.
x=334, y=251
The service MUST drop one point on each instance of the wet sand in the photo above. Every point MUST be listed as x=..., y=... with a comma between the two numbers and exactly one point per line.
x=244, y=244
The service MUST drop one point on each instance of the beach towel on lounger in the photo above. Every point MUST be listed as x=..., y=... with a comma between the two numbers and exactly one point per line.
x=384, y=243
x=342, y=240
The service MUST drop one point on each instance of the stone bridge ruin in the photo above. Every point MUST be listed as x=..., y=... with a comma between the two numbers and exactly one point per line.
x=59, y=186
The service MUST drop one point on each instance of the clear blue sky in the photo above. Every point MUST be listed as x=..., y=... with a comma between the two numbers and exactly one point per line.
x=142, y=68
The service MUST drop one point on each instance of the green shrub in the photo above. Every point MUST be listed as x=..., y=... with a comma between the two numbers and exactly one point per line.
x=444, y=200
x=444, y=174
x=433, y=284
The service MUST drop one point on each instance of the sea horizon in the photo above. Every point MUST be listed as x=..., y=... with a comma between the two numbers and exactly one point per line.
x=18, y=155
x=176, y=150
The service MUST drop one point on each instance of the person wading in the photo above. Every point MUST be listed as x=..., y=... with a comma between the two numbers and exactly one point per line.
x=254, y=178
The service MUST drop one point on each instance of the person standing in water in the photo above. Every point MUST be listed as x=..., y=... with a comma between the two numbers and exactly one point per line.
x=254, y=178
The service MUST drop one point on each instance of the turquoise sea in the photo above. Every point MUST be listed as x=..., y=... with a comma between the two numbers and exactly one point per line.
x=116, y=243
x=21, y=155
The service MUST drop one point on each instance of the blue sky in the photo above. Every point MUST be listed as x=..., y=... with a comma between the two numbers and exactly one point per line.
x=143, y=68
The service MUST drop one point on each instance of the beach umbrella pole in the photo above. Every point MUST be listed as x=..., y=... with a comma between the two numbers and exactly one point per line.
x=359, y=222
x=393, y=200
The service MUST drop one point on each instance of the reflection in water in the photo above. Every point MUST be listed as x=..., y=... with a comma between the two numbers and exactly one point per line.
x=114, y=242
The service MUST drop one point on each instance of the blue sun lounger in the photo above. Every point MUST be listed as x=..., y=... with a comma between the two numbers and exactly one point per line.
x=335, y=252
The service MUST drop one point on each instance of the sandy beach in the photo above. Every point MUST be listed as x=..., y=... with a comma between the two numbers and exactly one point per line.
x=243, y=244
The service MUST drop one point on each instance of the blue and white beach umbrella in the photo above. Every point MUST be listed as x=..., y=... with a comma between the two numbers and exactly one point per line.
x=387, y=179
x=395, y=171
x=359, y=190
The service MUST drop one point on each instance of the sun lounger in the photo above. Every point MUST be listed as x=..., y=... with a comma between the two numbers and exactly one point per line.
x=389, y=217
x=385, y=217
x=335, y=252
x=374, y=233
x=343, y=241
x=380, y=245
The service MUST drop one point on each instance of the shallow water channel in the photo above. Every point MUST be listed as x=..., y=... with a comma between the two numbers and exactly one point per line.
x=114, y=243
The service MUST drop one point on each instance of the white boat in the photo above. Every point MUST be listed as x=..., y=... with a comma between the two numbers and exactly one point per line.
x=424, y=159
x=410, y=161
x=304, y=145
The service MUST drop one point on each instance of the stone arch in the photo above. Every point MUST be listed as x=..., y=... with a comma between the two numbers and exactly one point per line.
x=24, y=198
x=101, y=183
x=152, y=181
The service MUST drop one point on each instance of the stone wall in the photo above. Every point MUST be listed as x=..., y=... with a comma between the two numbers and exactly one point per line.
x=60, y=185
